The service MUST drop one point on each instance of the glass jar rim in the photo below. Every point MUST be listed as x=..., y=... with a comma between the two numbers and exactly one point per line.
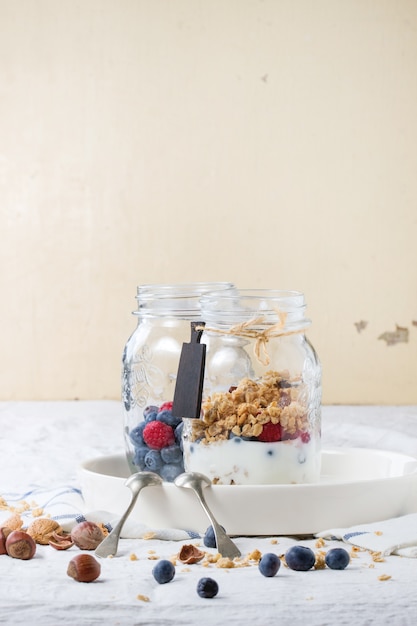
x=261, y=306
x=175, y=299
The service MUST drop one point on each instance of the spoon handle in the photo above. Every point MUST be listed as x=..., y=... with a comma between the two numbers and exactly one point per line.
x=225, y=545
x=108, y=547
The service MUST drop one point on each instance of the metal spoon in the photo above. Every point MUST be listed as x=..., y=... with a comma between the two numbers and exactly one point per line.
x=196, y=482
x=135, y=482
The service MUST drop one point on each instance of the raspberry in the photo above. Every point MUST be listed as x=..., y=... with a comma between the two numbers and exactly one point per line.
x=166, y=406
x=158, y=435
x=305, y=436
x=271, y=432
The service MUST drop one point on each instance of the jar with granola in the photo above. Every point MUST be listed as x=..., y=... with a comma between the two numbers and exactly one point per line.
x=261, y=409
x=149, y=368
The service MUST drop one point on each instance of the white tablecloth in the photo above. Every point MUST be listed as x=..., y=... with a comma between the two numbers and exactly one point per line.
x=42, y=444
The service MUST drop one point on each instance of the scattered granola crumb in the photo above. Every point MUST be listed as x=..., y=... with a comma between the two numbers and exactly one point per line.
x=384, y=577
x=143, y=598
x=225, y=563
x=153, y=557
x=377, y=557
x=212, y=558
x=320, y=560
x=274, y=541
x=37, y=512
x=150, y=535
x=320, y=542
x=379, y=533
x=256, y=555
x=133, y=557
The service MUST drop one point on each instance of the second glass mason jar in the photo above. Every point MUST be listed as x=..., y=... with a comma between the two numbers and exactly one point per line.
x=149, y=369
x=261, y=411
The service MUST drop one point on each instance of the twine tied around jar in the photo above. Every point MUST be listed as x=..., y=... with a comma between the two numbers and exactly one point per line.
x=247, y=330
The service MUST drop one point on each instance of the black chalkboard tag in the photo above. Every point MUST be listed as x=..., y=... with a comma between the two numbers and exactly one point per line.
x=190, y=376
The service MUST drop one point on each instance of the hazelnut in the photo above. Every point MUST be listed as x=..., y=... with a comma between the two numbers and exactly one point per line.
x=42, y=529
x=84, y=568
x=87, y=535
x=2, y=541
x=20, y=545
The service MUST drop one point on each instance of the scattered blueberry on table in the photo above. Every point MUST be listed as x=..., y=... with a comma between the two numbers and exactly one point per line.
x=269, y=564
x=337, y=558
x=300, y=558
x=163, y=572
x=207, y=588
x=209, y=538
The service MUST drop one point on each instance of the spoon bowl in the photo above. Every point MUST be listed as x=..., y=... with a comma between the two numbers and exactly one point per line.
x=135, y=482
x=197, y=482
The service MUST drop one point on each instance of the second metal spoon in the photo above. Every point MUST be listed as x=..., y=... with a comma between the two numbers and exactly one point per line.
x=135, y=482
x=196, y=482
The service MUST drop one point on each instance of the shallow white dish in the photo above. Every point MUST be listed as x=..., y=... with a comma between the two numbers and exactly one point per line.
x=357, y=486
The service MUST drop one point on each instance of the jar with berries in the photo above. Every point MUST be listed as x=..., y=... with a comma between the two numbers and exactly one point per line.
x=261, y=408
x=149, y=369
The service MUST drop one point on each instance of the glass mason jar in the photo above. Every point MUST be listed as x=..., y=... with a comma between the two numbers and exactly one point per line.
x=149, y=369
x=261, y=411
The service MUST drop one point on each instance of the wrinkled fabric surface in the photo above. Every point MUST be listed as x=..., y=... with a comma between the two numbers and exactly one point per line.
x=42, y=445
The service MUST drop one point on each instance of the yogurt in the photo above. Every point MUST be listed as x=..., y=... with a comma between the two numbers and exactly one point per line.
x=239, y=462
x=259, y=432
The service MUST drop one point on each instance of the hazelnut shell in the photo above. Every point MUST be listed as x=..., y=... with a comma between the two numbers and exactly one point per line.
x=84, y=568
x=20, y=545
x=87, y=535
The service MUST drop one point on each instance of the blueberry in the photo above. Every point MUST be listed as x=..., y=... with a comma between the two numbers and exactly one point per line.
x=163, y=572
x=139, y=456
x=178, y=433
x=170, y=471
x=150, y=417
x=207, y=588
x=167, y=417
x=209, y=538
x=136, y=434
x=337, y=558
x=269, y=564
x=153, y=460
x=300, y=558
x=171, y=454
x=150, y=409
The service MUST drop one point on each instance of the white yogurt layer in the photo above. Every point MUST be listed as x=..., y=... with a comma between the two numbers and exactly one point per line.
x=240, y=462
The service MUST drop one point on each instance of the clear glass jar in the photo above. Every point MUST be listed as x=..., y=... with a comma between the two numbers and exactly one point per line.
x=261, y=411
x=149, y=369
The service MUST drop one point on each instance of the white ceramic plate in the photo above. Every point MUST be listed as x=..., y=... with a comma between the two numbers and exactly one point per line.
x=357, y=486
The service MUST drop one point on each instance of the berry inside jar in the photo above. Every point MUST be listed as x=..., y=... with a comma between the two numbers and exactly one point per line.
x=157, y=442
x=258, y=432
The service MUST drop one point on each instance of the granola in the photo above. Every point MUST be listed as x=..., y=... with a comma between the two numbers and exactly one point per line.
x=246, y=409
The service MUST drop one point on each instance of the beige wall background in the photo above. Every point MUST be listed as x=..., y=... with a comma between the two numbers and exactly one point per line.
x=270, y=143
